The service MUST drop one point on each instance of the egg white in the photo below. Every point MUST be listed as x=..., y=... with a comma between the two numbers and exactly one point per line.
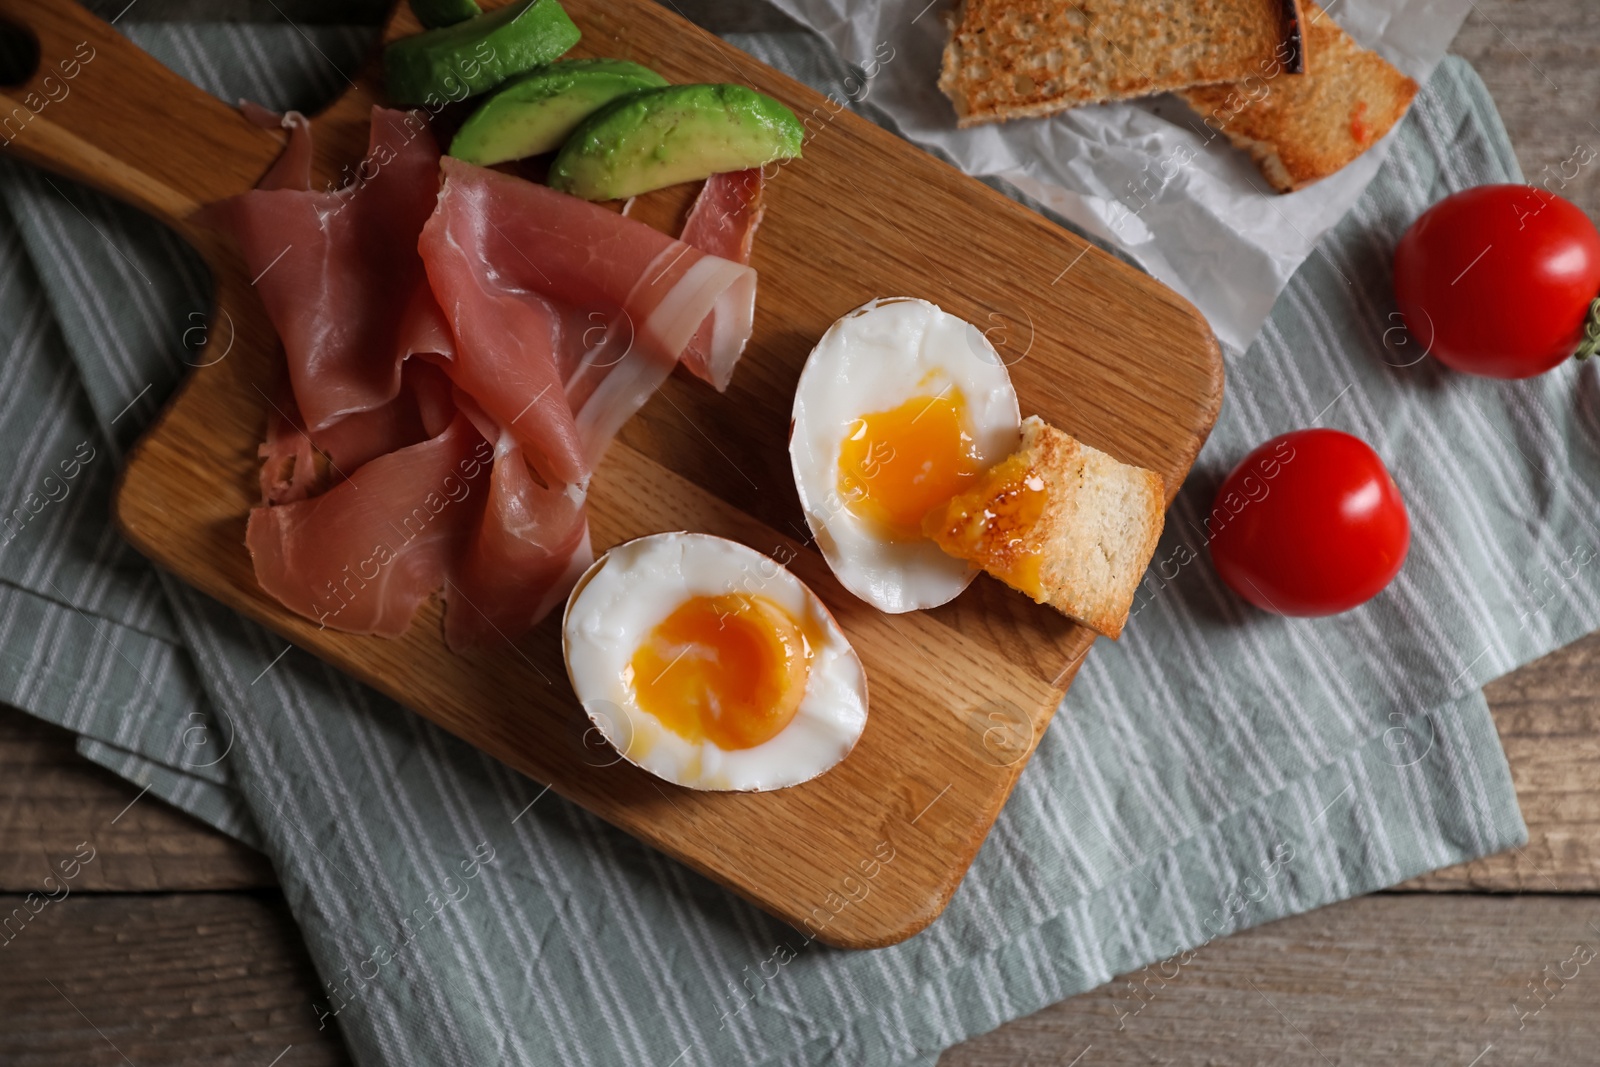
x=875, y=359
x=633, y=588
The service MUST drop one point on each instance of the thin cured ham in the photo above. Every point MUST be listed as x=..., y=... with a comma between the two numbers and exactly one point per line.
x=364, y=555
x=423, y=327
x=529, y=544
x=524, y=273
x=291, y=170
x=723, y=223
x=459, y=356
x=451, y=510
x=338, y=270
x=298, y=463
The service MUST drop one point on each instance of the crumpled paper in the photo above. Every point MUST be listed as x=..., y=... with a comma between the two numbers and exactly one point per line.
x=1147, y=177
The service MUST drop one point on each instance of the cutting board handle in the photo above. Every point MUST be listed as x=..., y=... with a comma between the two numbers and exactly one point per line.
x=99, y=110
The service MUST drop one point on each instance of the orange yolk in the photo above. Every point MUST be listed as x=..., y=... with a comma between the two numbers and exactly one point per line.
x=895, y=465
x=727, y=669
x=992, y=525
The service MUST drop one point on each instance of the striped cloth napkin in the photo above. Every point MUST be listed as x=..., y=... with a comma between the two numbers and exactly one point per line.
x=1214, y=769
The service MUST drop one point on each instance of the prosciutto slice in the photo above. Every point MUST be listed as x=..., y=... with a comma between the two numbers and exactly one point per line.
x=298, y=463
x=459, y=359
x=291, y=170
x=723, y=223
x=364, y=555
x=531, y=542
x=532, y=279
x=339, y=271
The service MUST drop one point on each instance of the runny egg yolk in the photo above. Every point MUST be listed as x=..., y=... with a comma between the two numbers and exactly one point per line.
x=896, y=465
x=993, y=524
x=727, y=669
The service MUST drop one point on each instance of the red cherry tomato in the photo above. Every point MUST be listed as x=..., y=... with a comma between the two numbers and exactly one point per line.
x=1499, y=280
x=1310, y=523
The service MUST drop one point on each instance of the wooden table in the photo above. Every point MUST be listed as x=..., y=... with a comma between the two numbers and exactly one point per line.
x=176, y=947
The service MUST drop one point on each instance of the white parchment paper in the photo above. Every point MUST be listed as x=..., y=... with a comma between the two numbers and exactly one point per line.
x=1146, y=176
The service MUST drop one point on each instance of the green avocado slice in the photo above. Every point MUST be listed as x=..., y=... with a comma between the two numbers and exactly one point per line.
x=534, y=112
x=433, y=13
x=678, y=134
x=455, y=62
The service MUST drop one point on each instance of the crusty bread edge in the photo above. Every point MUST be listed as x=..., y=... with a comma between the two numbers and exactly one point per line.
x=1053, y=528
x=1268, y=158
x=1268, y=161
x=947, y=61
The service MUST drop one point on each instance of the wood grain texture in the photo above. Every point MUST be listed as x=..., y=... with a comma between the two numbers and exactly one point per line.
x=1541, y=62
x=1392, y=978
x=1096, y=347
x=186, y=979
x=52, y=800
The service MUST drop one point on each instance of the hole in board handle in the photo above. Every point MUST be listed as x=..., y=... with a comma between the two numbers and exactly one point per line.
x=19, y=54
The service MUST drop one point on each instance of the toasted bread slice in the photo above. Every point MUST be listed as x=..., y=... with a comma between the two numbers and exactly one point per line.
x=1301, y=129
x=1009, y=59
x=1062, y=522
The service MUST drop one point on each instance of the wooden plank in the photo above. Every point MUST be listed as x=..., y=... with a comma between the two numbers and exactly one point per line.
x=52, y=800
x=183, y=979
x=1393, y=978
x=1541, y=62
x=1097, y=348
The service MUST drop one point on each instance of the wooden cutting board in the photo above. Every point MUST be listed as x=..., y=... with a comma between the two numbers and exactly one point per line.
x=871, y=852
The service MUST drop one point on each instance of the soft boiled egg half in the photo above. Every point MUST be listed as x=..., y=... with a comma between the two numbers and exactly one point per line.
x=900, y=407
x=710, y=665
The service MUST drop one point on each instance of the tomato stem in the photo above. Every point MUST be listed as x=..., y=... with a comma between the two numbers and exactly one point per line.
x=1591, y=333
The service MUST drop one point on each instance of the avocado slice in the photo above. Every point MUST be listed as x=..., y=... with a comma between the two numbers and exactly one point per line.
x=534, y=112
x=434, y=13
x=678, y=134
x=455, y=62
